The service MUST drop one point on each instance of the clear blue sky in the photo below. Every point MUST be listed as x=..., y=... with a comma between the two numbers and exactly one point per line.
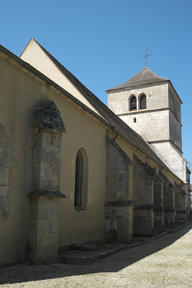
x=101, y=41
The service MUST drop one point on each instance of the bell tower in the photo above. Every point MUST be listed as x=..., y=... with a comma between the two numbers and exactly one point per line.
x=150, y=105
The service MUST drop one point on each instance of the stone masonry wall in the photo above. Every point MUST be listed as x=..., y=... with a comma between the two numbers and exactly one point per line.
x=175, y=131
x=180, y=203
x=143, y=191
x=44, y=224
x=7, y=161
x=158, y=192
x=172, y=158
x=118, y=207
x=143, y=197
x=46, y=161
x=45, y=195
x=168, y=201
x=152, y=125
x=168, y=193
x=159, y=122
x=156, y=96
x=117, y=178
x=174, y=103
x=158, y=202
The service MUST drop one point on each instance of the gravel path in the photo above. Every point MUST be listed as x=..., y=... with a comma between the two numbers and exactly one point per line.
x=164, y=262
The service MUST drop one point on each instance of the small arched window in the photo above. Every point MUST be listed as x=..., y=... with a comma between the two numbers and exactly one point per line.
x=78, y=179
x=81, y=180
x=143, y=102
x=133, y=103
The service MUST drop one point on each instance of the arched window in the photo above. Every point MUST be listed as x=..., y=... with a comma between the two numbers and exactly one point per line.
x=78, y=179
x=133, y=103
x=81, y=180
x=143, y=102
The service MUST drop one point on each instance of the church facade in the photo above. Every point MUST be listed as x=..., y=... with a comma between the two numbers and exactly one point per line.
x=74, y=171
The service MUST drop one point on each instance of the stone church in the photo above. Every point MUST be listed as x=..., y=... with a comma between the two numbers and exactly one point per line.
x=73, y=170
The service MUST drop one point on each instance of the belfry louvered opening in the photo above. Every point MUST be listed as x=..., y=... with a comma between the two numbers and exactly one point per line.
x=133, y=103
x=143, y=102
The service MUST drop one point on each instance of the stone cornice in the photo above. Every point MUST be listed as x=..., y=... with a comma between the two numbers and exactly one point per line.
x=119, y=203
x=140, y=111
x=168, y=140
x=46, y=193
x=145, y=206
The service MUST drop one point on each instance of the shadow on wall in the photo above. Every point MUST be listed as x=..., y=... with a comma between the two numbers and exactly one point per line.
x=25, y=272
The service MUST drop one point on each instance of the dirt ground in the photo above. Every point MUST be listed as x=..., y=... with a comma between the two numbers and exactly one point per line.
x=164, y=262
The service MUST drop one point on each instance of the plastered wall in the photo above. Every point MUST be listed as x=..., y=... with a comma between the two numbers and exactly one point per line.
x=35, y=56
x=20, y=92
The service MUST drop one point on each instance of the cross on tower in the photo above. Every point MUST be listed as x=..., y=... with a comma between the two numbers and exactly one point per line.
x=145, y=56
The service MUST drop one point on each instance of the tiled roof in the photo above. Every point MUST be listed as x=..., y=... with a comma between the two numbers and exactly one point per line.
x=144, y=77
x=126, y=132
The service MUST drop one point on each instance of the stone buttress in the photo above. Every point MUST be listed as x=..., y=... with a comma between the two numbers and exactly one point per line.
x=118, y=206
x=7, y=161
x=168, y=201
x=143, y=197
x=45, y=195
x=158, y=198
x=181, y=202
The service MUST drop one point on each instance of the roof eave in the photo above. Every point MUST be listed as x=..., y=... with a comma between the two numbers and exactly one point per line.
x=116, y=89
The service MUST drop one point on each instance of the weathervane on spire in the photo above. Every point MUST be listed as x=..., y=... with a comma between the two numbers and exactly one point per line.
x=145, y=56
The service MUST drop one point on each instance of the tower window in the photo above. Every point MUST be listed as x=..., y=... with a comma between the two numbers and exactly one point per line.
x=134, y=120
x=133, y=103
x=143, y=102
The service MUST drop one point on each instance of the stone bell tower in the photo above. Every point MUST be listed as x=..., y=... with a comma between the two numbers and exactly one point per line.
x=150, y=105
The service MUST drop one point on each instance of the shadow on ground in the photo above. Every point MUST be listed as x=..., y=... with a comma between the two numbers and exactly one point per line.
x=25, y=272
